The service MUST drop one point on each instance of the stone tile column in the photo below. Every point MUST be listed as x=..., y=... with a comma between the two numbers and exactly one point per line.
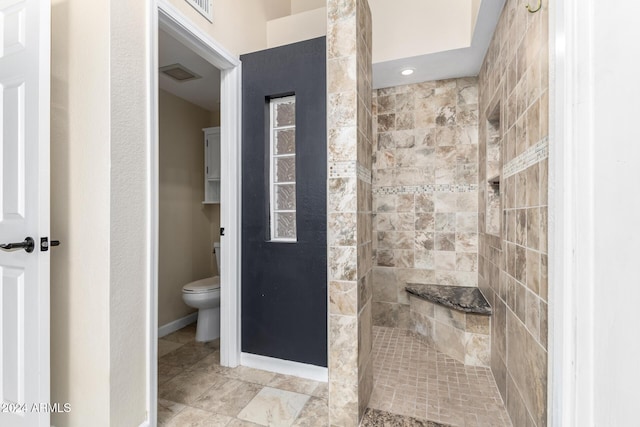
x=350, y=134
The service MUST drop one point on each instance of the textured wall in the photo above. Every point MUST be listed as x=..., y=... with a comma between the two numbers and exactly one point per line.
x=425, y=199
x=129, y=191
x=239, y=26
x=513, y=142
x=100, y=158
x=80, y=175
x=185, y=224
x=350, y=134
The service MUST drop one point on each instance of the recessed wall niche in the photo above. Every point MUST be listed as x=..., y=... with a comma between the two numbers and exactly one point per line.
x=494, y=162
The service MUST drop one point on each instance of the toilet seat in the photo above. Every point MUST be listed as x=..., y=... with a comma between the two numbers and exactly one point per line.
x=203, y=285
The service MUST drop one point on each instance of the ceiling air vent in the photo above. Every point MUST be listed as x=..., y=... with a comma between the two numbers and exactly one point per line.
x=205, y=7
x=179, y=72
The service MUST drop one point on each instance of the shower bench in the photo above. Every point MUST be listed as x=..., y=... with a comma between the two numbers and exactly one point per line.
x=456, y=320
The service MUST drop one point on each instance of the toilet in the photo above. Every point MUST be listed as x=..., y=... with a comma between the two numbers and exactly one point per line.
x=204, y=294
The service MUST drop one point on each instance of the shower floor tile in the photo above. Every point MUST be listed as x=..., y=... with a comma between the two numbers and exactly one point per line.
x=415, y=380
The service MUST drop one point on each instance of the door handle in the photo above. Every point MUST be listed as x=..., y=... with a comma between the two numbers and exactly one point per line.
x=27, y=245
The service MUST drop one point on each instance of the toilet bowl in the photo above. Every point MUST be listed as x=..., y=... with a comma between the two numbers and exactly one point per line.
x=204, y=294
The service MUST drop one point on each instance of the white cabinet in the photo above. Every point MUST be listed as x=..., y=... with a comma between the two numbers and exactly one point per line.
x=211, y=165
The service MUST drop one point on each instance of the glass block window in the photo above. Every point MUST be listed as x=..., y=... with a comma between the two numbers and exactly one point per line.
x=283, y=169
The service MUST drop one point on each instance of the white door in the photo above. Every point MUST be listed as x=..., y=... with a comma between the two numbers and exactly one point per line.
x=24, y=211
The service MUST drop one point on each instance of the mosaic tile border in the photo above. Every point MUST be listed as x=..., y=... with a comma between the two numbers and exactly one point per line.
x=342, y=169
x=349, y=170
x=531, y=156
x=429, y=188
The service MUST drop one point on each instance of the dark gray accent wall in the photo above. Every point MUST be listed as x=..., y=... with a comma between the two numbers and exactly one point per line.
x=284, y=285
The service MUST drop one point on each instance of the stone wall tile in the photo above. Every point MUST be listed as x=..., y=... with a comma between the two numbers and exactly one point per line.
x=477, y=350
x=343, y=298
x=478, y=324
x=451, y=341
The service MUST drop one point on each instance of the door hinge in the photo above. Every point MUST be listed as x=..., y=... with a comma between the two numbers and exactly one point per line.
x=222, y=231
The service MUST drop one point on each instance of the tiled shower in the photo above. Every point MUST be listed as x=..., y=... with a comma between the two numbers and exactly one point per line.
x=425, y=192
x=512, y=269
x=457, y=173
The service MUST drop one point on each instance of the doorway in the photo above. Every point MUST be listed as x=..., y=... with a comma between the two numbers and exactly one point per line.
x=176, y=26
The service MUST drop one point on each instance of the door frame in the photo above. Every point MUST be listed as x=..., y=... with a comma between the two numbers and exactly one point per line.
x=163, y=15
x=571, y=235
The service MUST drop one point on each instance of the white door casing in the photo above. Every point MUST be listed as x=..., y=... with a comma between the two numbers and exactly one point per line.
x=173, y=22
x=24, y=211
x=164, y=15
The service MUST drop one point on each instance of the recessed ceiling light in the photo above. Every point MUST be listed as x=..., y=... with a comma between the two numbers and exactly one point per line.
x=407, y=71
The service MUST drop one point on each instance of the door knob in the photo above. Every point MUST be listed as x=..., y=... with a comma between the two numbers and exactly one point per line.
x=27, y=245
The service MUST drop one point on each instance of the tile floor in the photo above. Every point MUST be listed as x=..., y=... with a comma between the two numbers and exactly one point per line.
x=194, y=390
x=413, y=379
x=410, y=379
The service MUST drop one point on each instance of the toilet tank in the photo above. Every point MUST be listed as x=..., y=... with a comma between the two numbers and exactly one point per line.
x=216, y=249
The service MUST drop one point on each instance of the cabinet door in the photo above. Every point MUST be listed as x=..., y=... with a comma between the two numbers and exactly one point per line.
x=213, y=155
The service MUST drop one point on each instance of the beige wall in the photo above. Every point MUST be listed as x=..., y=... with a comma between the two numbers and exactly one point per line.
x=401, y=28
x=186, y=231
x=406, y=28
x=129, y=214
x=301, y=26
x=99, y=187
x=239, y=26
x=80, y=191
x=513, y=83
x=298, y=6
x=475, y=9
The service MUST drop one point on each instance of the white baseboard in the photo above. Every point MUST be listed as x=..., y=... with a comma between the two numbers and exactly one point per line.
x=287, y=367
x=145, y=424
x=170, y=327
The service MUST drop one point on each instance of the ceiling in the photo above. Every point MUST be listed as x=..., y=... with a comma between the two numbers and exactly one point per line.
x=435, y=64
x=420, y=42
x=204, y=92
